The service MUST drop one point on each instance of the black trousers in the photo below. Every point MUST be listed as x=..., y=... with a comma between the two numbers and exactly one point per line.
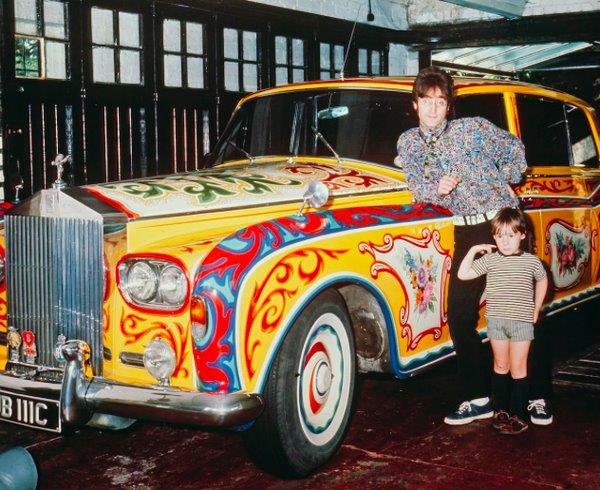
x=463, y=316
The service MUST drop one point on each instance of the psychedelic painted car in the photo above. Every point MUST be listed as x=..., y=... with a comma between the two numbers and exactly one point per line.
x=249, y=294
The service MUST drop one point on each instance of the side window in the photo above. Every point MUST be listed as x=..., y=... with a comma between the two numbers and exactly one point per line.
x=585, y=153
x=184, y=57
x=116, y=47
x=41, y=39
x=242, y=63
x=543, y=131
x=488, y=106
x=289, y=60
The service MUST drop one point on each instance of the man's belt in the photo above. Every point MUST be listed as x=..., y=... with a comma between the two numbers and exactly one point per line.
x=474, y=219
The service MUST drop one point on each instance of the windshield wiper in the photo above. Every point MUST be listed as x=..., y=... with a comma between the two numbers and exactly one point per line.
x=326, y=143
x=241, y=150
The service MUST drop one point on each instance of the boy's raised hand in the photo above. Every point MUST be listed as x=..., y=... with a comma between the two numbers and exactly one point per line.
x=485, y=248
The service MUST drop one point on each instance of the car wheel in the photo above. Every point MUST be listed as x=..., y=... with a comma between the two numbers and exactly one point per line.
x=309, y=396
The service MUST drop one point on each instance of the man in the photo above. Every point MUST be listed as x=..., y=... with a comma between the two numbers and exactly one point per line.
x=465, y=165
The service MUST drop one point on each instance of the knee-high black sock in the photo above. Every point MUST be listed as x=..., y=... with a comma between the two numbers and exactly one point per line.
x=519, y=398
x=500, y=391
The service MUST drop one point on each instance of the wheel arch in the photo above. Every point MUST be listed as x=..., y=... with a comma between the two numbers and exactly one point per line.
x=369, y=334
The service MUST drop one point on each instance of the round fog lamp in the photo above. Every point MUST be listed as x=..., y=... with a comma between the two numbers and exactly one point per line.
x=159, y=360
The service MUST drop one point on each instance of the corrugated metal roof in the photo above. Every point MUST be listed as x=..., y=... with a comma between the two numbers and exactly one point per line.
x=510, y=59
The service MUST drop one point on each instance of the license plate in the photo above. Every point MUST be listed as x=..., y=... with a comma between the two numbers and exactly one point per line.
x=31, y=411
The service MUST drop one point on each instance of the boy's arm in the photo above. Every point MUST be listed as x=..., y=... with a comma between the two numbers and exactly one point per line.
x=465, y=271
x=541, y=286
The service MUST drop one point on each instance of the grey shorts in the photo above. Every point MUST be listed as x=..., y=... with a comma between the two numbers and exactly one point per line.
x=507, y=329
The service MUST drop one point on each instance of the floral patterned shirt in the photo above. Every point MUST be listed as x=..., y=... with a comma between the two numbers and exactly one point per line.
x=484, y=156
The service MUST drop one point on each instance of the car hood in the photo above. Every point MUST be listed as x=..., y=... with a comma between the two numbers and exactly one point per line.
x=240, y=186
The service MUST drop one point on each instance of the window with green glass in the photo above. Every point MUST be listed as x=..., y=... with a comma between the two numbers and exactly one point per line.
x=41, y=39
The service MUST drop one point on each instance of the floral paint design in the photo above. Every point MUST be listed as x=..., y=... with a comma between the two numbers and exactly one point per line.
x=420, y=265
x=569, y=250
x=422, y=274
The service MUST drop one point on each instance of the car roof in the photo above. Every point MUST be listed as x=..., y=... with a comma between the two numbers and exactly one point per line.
x=405, y=83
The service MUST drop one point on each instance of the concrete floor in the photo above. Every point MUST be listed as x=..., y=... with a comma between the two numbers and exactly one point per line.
x=396, y=439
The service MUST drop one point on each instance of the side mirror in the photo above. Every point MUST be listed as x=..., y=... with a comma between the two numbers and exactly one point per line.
x=316, y=196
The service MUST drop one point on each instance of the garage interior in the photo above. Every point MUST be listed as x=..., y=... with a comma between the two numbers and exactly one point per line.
x=161, y=117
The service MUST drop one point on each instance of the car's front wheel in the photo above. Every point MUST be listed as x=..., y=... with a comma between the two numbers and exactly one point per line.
x=310, y=392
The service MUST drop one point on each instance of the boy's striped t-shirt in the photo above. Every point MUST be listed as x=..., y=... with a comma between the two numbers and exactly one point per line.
x=509, y=284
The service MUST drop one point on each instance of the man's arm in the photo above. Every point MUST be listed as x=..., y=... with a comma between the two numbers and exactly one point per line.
x=505, y=149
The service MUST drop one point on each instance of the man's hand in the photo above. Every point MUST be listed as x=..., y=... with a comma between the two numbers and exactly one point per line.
x=447, y=184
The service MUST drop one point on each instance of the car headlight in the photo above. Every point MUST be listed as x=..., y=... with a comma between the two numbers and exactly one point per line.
x=172, y=285
x=142, y=282
x=159, y=360
x=153, y=283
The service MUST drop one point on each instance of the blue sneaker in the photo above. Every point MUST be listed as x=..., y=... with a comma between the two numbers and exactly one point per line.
x=539, y=412
x=467, y=412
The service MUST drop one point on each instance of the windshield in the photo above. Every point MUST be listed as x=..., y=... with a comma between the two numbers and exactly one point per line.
x=358, y=124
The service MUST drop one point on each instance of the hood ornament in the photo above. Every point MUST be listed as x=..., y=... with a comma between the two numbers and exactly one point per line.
x=59, y=162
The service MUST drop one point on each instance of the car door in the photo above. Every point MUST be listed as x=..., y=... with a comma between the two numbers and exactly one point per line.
x=560, y=183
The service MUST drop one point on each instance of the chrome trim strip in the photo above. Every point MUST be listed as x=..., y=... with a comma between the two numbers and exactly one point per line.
x=81, y=396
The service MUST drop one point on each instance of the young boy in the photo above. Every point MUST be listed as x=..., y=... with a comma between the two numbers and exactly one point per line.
x=513, y=307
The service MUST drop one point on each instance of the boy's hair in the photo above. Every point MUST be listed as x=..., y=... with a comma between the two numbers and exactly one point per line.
x=432, y=77
x=509, y=217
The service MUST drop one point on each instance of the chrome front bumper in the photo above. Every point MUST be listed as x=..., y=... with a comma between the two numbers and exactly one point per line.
x=82, y=396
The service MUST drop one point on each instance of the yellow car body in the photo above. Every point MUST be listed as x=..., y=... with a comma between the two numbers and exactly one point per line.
x=254, y=258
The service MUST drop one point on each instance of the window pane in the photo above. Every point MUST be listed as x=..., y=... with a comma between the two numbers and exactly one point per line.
x=324, y=55
x=281, y=76
x=376, y=63
x=27, y=57
x=54, y=19
x=172, y=70
x=102, y=26
x=103, y=64
x=249, y=46
x=56, y=60
x=298, y=75
x=172, y=35
x=488, y=106
x=325, y=75
x=280, y=50
x=230, y=43
x=362, y=61
x=194, y=38
x=129, y=29
x=298, y=52
x=338, y=52
x=26, y=17
x=543, y=131
x=232, y=81
x=250, y=77
x=130, y=66
x=195, y=73
x=582, y=141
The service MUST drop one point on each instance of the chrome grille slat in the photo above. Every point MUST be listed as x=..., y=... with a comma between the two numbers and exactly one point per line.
x=55, y=281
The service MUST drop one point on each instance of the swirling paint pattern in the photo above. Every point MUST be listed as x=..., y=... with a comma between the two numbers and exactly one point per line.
x=134, y=328
x=220, y=275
